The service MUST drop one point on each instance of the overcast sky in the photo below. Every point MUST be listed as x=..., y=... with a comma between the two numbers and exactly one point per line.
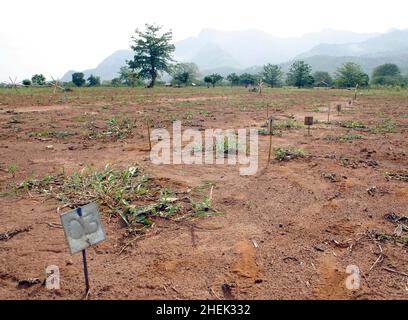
x=53, y=36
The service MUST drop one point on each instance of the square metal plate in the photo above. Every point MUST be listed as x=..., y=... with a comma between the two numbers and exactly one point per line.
x=82, y=227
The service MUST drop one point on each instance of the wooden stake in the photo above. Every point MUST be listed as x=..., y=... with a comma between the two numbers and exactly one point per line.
x=328, y=114
x=270, y=141
x=148, y=135
x=355, y=92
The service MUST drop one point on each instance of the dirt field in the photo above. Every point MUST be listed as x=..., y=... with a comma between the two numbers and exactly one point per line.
x=288, y=232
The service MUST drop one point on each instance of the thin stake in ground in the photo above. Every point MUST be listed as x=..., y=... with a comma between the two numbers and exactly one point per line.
x=270, y=141
x=328, y=113
x=355, y=92
x=148, y=135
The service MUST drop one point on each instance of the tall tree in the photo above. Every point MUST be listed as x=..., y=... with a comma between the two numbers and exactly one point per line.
x=152, y=52
x=300, y=75
x=387, y=74
x=349, y=75
x=78, y=79
x=233, y=78
x=272, y=75
x=38, y=79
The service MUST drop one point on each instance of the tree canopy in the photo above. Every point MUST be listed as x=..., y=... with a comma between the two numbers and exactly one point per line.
x=93, y=81
x=233, y=78
x=78, y=79
x=152, y=52
x=128, y=77
x=185, y=73
x=38, y=79
x=350, y=75
x=213, y=79
x=247, y=79
x=300, y=75
x=272, y=75
x=322, y=79
x=387, y=74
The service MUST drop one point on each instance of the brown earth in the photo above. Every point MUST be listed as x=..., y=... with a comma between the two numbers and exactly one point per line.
x=287, y=232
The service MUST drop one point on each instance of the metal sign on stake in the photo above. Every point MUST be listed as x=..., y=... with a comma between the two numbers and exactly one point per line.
x=308, y=123
x=83, y=228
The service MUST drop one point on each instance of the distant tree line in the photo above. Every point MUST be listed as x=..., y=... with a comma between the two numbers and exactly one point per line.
x=300, y=75
x=153, y=56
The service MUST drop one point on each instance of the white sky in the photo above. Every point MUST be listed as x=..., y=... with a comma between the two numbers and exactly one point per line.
x=53, y=36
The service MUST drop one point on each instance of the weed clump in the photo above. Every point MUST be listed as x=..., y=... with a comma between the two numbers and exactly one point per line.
x=286, y=154
x=350, y=137
x=387, y=126
x=126, y=193
x=353, y=124
x=287, y=124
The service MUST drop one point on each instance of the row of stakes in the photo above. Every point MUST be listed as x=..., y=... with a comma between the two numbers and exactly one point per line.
x=309, y=121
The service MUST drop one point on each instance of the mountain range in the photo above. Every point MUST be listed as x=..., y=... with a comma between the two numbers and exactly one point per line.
x=247, y=51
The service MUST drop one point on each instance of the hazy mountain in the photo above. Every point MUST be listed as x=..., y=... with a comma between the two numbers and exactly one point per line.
x=236, y=51
x=391, y=43
x=107, y=69
x=211, y=55
x=254, y=47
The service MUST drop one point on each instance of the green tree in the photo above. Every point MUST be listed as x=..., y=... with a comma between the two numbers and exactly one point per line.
x=185, y=73
x=213, y=79
x=300, y=75
x=247, y=79
x=26, y=82
x=93, y=81
x=129, y=77
x=116, y=82
x=38, y=79
x=78, y=79
x=272, y=75
x=322, y=79
x=349, y=75
x=233, y=78
x=152, y=52
x=387, y=74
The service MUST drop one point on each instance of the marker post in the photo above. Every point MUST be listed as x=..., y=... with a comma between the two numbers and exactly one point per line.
x=83, y=228
x=85, y=264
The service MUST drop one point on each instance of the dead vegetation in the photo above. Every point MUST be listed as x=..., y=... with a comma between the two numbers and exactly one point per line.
x=128, y=193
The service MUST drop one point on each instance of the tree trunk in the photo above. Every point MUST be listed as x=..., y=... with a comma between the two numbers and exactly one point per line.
x=153, y=81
